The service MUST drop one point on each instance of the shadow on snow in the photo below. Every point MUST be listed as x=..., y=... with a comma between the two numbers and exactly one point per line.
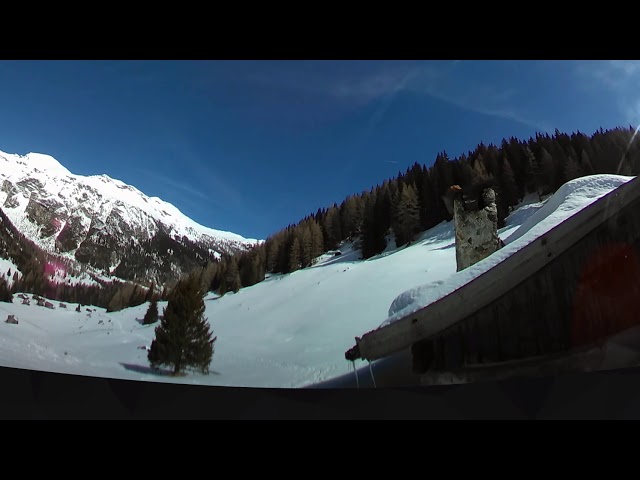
x=160, y=372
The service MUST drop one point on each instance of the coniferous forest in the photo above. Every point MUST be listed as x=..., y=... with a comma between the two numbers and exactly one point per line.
x=398, y=208
x=413, y=202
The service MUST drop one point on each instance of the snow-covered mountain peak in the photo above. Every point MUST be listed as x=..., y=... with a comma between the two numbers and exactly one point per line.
x=32, y=162
x=85, y=216
x=46, y=163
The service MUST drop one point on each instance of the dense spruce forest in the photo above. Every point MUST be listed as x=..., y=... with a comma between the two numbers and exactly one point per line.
x=399, y=208
x=413, y=201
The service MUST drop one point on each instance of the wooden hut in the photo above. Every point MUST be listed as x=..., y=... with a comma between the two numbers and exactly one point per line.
x=566, y=292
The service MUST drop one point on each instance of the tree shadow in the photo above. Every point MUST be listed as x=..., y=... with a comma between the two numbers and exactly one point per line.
x=518, y=217
x=147, y=369
x=160, y=372
x=437, y=234
x=141, y=322
x=349, y=256
x=447, y=247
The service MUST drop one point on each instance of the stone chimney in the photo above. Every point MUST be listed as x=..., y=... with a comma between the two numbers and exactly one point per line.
x=476, y=225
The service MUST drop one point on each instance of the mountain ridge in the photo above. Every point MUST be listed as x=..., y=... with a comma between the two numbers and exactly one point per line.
x=95, y=219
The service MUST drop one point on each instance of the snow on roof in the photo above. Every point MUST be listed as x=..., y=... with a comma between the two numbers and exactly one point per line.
x=567, y=201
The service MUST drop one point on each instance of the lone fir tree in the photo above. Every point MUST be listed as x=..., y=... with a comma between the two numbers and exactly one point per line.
x=183, y=338
x=152, y=313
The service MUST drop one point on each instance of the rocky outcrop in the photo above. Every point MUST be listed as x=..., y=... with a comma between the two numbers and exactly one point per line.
x=476, y=226
x=99, y=250
x=48, y=213
x=31, y=185
x=9, y=188
x=12, y=194
x=71, y=235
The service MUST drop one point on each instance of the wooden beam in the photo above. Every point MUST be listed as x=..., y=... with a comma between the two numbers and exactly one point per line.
x=494, y=283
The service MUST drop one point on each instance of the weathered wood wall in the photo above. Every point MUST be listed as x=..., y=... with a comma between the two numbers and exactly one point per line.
x=584, y=270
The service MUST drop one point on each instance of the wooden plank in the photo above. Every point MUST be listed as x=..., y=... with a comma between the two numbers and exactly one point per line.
x=495, y=282
x=586, y=294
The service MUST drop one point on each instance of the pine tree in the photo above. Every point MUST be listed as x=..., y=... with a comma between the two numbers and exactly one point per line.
x=585, y=163
x=373, y=230
x=151, y=292
x=544, y=173
x=284, y=251
x=442, y=174
x=273, y=246
x=152, y=313
x=508, y=184
x=383, y=205
x=352, y=212
x=559, y=159
x=317, y=240
x=183, y=338
x=306, y=246
x=530, y=165
x=431, y=210
x=259, y=261
x=295, y=255
x=332, y=228
x=231, y=280
x=571, y=169
x=248, y=268
x=407, y=215
x=519, y=163
x=5, y=291
x=466, y=174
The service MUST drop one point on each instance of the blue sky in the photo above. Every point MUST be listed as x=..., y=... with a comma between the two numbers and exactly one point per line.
x=250, y=147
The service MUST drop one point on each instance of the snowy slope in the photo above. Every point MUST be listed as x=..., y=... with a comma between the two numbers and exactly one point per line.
x=37, y=185
x=568, y=200
x=288, y=331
